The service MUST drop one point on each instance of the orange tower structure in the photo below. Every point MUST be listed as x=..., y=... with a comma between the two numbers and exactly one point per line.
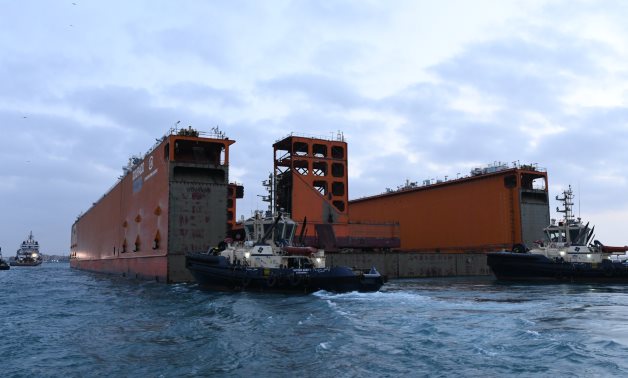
x=310, y=183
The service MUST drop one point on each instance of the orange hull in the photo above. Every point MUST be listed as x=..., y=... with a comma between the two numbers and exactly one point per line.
x=146, y=268
x=479, y=213
x=171, y=202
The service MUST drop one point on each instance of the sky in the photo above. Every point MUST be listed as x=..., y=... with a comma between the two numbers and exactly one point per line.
x=419, y=89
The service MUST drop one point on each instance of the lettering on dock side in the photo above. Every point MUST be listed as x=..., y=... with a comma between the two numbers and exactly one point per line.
x=137, y=172
x=148, y=176
x=138, y=180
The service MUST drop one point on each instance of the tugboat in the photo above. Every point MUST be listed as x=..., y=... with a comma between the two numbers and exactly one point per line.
x=568, y=253
x=267, y=261
x=28, y=254
x=3, y=264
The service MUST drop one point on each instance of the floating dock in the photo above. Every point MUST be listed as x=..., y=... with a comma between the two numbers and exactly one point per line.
x=177, y=199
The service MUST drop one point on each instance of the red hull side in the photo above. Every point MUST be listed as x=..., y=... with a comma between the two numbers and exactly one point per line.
x=146, y=268
x=171, y=202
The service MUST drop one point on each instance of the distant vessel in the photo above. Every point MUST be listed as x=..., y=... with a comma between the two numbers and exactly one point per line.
x=568, y=253
x=267, y=261
x=28, y=254
x=3, y=264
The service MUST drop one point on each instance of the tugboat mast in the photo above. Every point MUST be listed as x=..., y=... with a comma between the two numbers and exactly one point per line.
x=567, y=200
x=270, y=188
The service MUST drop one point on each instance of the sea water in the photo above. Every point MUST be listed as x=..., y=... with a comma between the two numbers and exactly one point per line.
x=60, y=322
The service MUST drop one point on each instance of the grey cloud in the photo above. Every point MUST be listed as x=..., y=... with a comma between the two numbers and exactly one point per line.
x=339, y=13
x=198, y=93
x=128, y=107
x=340, y=55
x=426, y=110
x=205, y=32
x=318, y=89
x=387, y=172
x=52, y=158
x=48, y=176
x=522, y=73
x=57, y=149
x=34, y=77
x=501, y=69
x=182, y=44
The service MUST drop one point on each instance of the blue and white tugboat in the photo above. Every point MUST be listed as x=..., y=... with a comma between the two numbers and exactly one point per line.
x=568, y=253
x=267, y=261
x=28, y=254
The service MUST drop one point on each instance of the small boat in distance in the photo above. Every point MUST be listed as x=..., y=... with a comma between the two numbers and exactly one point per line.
x=568, y=253
x=3, y=264
x=28, y=254
x=267, y=261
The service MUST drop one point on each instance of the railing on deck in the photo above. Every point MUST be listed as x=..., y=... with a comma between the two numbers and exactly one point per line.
x=335, y=137
x=475, y=172
x=135, y=160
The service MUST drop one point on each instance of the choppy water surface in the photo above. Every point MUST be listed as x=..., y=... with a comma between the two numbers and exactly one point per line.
x=56, y=321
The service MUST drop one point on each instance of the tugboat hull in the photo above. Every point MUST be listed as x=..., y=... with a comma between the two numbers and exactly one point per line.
x=28, y=254
x=514, y=266
x=25, y=263
x=214, y=272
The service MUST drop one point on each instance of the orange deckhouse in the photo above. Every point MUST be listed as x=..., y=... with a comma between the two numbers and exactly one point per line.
x=171, y=201
x=310, y=183
x=493, y=208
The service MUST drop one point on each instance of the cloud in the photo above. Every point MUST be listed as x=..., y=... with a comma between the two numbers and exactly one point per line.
x=419, y=91
x=198, y=93
x=317, y=90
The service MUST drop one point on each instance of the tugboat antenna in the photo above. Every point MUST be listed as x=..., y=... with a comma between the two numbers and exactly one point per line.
x=579, y=196
x=566, y=199
x=270, y=188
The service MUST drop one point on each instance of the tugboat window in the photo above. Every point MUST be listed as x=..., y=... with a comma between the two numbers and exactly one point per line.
x=279, y=232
